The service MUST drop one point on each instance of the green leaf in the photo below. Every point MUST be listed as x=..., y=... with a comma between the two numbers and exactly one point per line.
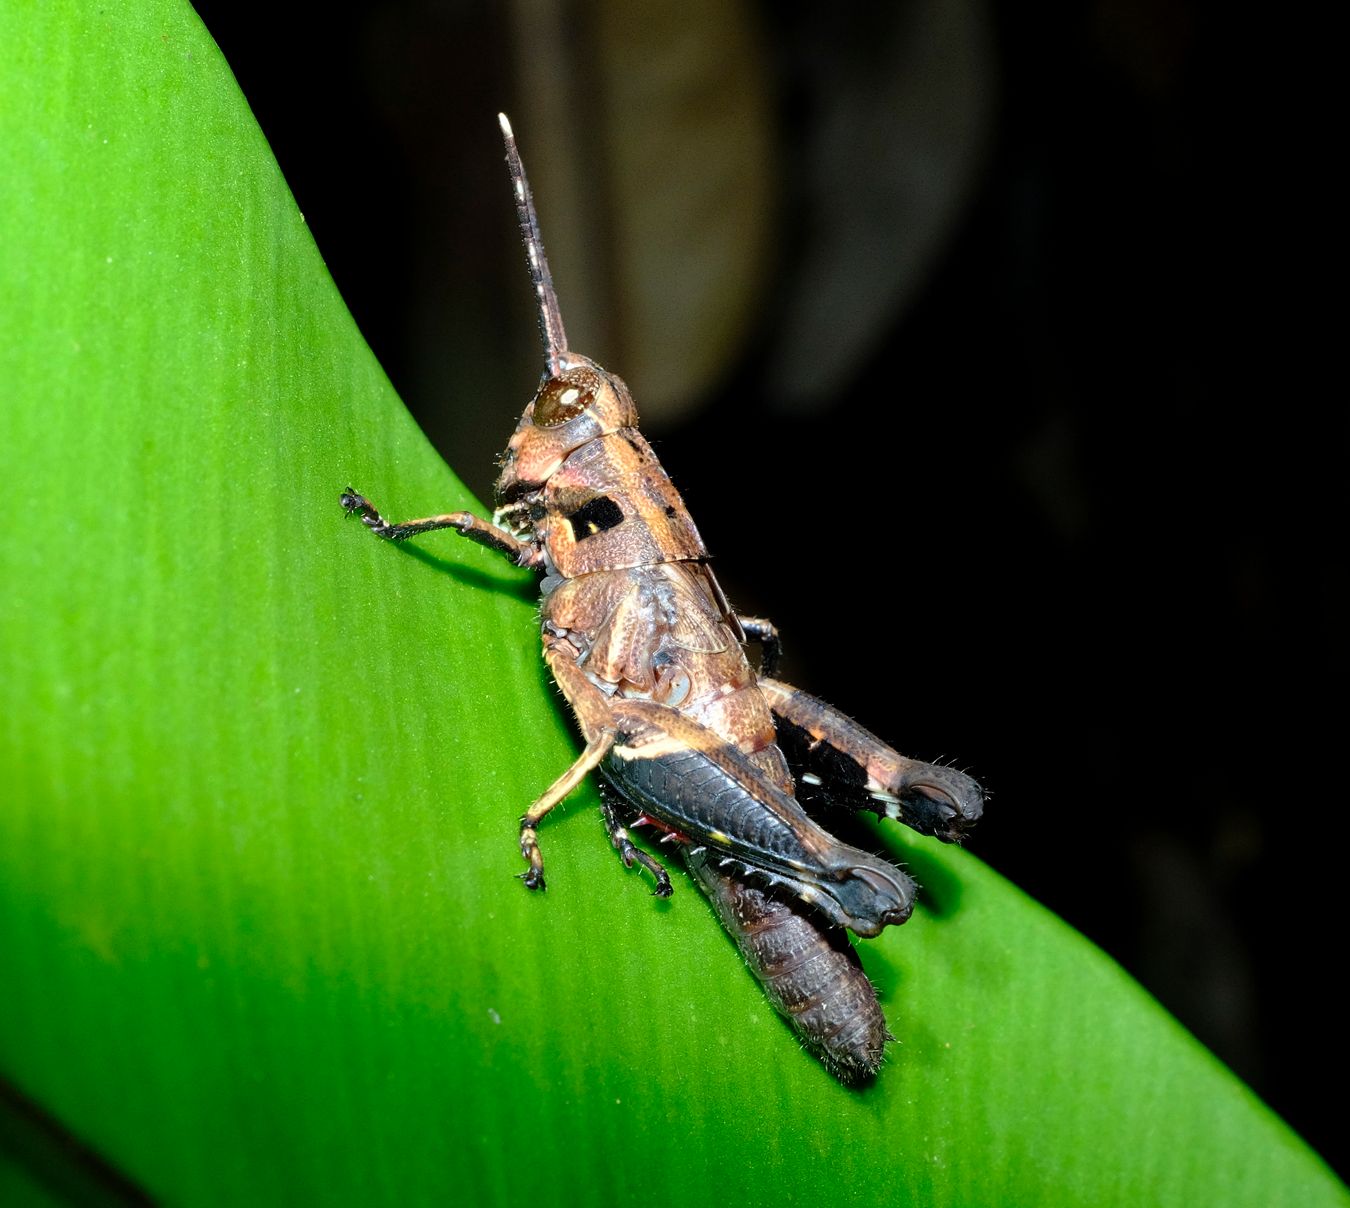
x=259, y=936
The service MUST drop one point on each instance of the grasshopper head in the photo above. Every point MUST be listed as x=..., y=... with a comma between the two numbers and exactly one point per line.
x=577, y=400
x=572, y=407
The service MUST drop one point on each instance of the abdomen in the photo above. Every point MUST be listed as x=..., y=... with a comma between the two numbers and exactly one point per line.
x=810, y=973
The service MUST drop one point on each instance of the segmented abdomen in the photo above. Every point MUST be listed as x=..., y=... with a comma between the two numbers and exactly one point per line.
x=810, y=973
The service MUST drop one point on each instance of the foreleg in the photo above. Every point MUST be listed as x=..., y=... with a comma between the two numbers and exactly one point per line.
x=465, y=523
x=765, y=632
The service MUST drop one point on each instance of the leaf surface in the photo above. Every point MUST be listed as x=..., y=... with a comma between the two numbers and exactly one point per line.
x=259, y=936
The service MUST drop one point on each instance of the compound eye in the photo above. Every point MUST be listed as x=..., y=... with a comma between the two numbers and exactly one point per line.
x=559, y=401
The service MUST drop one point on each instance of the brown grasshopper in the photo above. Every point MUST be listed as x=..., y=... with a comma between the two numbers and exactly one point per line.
x=642, y=642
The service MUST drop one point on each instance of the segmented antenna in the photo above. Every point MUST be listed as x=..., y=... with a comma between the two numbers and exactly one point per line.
x=550, y=318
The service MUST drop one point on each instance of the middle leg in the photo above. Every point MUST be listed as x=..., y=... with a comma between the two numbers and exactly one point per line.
x=610, y=805
x=529, y=842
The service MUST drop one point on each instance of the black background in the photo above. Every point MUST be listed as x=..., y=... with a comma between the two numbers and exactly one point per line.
x=1058, y=523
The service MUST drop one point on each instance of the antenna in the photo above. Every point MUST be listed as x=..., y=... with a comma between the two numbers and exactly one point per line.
x=550, y=318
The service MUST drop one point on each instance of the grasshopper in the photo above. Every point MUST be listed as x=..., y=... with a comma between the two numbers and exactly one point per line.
x=687, y=735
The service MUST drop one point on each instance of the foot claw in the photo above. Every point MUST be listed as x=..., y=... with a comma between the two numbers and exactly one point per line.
x=358, y=505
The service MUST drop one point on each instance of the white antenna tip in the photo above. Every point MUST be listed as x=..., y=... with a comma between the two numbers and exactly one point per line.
x=505, y=123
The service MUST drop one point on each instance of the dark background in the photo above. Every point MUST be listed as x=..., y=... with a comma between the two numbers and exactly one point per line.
x=991, y=438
